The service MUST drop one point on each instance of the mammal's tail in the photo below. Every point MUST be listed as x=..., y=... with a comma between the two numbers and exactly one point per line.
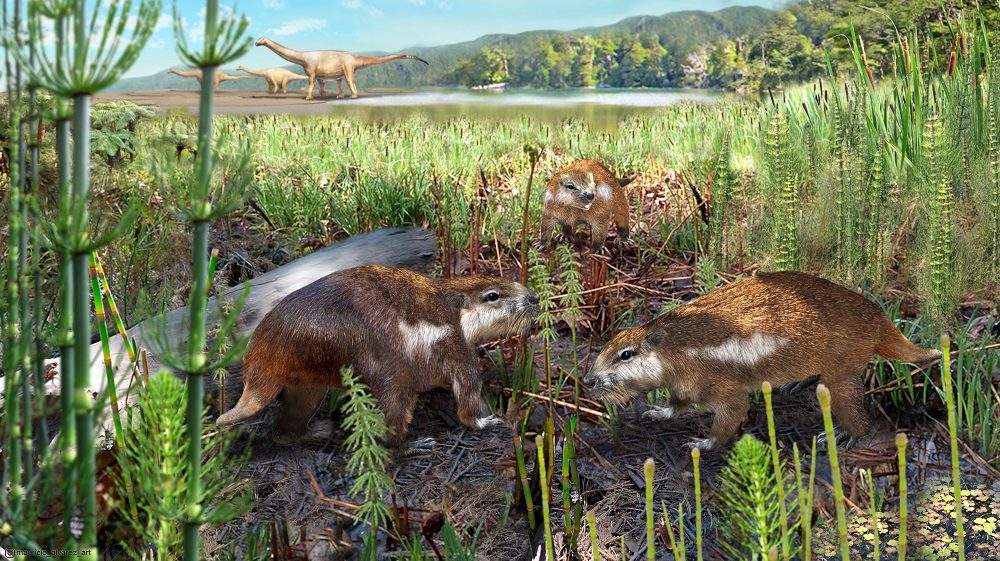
x=892, y=344
x=258, y=392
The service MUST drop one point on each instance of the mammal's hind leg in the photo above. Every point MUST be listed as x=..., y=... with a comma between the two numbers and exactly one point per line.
x=298, y=407
x=847, y=401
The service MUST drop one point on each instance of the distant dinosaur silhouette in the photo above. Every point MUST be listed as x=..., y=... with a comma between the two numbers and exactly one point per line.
x=220, y=76
x=337, y=65
x=276, y=77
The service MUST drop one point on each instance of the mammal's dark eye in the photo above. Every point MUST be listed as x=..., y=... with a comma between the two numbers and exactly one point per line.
x=492, y=296
x=569, y=186
x=626, y=354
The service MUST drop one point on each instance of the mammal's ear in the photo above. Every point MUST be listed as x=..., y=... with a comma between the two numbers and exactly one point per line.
x=590, y=178
x=457, y=300
x=655, y=336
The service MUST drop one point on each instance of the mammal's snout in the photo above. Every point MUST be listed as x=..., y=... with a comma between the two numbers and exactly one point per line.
x=587, y=196
x=589, y=381
x=532, y=297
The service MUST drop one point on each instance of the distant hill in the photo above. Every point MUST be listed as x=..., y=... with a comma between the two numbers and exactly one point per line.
x=679, y=33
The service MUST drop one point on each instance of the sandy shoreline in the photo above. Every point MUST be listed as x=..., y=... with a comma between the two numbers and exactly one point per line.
x=242, y=102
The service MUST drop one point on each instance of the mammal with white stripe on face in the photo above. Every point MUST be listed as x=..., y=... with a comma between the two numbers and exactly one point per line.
x=775, y=327
x=403, y=334
x=585, y=193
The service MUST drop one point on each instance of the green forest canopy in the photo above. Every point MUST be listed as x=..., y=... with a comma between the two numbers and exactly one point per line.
x=741, y=48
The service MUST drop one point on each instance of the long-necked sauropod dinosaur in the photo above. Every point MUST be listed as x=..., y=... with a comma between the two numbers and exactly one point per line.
x=585, y=193
x=220, y=76
x=336, y=65
x=403, y=333
x=277, y=78
x=774, y=327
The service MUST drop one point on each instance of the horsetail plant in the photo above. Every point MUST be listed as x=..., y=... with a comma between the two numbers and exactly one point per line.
x=648, y=470
x=696, y=462
x=901, y=441
x=100, y=52
x=765, y=388
x=543, y=480
x=201, y=201
x=823, y=394
x=366, y=428
x=594, y=547
x=956, y=473
x=872, y=513
x=522, y=472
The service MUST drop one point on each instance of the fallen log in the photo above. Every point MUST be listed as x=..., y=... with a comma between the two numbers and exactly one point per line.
x=412, y=248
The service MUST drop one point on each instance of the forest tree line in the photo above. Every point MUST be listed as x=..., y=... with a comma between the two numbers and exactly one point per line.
x=796, y=45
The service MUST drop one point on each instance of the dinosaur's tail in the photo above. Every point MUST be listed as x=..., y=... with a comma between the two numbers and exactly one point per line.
x=373, y=60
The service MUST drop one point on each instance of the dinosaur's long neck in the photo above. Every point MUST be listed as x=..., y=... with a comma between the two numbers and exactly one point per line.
x=364, y=61
x=187, y=74
x=254, y=72
x=291, y=55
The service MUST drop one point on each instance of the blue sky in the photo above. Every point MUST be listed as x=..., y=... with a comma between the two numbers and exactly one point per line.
x=393, y=25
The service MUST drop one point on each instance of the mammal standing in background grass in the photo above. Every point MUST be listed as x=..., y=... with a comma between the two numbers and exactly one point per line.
x=585, y=193
x=774, y=327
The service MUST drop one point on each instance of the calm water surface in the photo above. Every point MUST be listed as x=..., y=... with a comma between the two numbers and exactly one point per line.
x=600, y=107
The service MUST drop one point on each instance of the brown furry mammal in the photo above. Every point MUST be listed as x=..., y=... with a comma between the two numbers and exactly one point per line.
x=778, y=327
x=585, y=192
x=402, y=332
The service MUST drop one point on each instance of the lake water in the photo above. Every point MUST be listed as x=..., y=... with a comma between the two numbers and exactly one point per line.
x=600, y=107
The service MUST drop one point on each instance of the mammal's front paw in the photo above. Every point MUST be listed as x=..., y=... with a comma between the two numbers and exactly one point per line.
x=656, y=413
x=489, y=421
x=420, y=447
x=704, y=444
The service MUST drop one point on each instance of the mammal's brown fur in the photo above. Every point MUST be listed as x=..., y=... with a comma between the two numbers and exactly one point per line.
x=585, y=192
x=402, y=332
x=775, y=327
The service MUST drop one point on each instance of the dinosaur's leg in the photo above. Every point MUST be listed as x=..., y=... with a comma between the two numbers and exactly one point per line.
x=284, y=86
x=322, y=88
x=312, y=84
x=340, y=88
x=349, y=76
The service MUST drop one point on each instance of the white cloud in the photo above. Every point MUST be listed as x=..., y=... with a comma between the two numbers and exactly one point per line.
x=163, y=22
x=273, y=4
x=359, y=5
x=295, y=26
x=418, y=2
x=224, y=12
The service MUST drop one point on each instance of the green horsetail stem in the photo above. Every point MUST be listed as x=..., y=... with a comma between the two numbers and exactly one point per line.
x=110, y=299
x=805, y=498
x=522, y=473
x=648, y=470
x=679, y=553
x=873, y=513
x=696, y=461
x=956, y=474
x=901, y=456
x=779, y=479
x=823, y=394
x=109, y=371
x=543, y=479
x=594, y=548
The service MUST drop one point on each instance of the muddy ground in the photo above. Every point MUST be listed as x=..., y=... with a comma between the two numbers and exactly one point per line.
x=243, y=102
